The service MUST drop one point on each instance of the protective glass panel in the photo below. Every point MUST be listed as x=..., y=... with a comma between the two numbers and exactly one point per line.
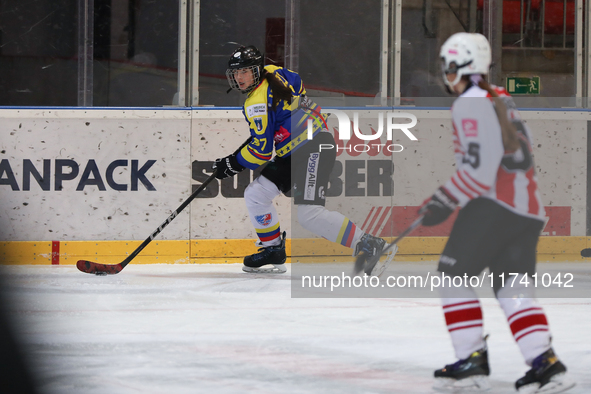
x=533, y=48
x=136, y=53
x=331, y=58
x=38, y=48
x=130, y=48
x=227, y=25
x=538, y=48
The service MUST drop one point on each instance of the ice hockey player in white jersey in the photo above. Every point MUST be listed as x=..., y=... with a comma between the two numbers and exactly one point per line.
x=498, y=225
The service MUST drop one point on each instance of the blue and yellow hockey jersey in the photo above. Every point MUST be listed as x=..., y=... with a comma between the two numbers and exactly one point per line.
x=284, y=129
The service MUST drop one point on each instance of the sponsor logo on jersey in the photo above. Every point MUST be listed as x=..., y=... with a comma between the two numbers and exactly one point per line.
x=321, y=192
x=258, y=123
x=263, y=220
x=470, y=127
x=311, y=177
x=256, y=110
x=447, y=260
x=281, y=135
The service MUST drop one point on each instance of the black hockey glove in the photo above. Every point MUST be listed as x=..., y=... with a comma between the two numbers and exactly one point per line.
x=227, y=166
x=438, y=208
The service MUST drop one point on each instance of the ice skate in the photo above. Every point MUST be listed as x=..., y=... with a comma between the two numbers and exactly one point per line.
x=269, y=259
x=469, y=374
x=547, y=375
x=376, y=267
x=372, y=247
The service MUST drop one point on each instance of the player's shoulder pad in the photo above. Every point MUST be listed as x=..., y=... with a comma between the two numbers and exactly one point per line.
x=272, y=69
x=289, y=78
x=502, y=92
x=474, y=91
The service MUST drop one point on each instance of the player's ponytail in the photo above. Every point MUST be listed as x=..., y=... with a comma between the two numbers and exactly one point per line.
x=279, y=90
x=508, y=130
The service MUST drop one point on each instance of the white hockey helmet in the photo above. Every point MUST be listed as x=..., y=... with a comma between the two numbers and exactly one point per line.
x=465, y=54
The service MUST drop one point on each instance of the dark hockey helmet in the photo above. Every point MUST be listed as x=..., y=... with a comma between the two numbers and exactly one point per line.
x=245, y=58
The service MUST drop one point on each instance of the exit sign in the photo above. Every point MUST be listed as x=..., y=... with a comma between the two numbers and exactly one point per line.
x=523, y=85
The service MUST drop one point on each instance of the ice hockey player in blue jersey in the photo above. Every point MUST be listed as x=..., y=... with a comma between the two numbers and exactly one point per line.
x=277, y=112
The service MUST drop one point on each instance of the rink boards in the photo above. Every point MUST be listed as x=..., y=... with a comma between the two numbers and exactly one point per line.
x=93, y=184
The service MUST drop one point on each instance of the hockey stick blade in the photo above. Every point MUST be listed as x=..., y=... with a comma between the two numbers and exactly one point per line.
x=111, y=269
x=98, y=269
x=362, y=259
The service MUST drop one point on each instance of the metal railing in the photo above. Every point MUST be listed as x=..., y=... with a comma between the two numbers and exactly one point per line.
x=535, y=25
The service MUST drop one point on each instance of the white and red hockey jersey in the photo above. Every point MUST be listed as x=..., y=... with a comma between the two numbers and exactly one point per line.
x=484, y=169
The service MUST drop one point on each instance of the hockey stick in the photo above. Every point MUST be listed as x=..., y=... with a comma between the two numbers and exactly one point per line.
x=362, y=259
x=103, y=269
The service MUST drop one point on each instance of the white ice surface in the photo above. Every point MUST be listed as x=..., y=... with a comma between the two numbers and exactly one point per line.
x=213, y=329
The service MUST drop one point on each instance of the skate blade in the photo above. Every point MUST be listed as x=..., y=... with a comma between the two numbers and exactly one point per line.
x=381, y=266
x=266, y=269
x=558, y=383
x=470, y=384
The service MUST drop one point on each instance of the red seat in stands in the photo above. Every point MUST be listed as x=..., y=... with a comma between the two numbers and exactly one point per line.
x=511, y=14
x=554, y=17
